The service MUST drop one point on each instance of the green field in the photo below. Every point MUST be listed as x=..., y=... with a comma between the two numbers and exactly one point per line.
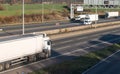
x=10, y=14
x=80, y=64
x=16, y=9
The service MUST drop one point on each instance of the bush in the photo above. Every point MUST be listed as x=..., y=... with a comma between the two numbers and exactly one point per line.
x=32, y=18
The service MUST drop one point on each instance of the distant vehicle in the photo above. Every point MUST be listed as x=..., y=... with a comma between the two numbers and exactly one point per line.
x=79, y=17
x=25, y=48
x=111, y=14
x=103, y=3
x=91, y=18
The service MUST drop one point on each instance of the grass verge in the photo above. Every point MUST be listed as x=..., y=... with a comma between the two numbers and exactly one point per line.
x=16, y=9
x=80, y=64
x=38, y=13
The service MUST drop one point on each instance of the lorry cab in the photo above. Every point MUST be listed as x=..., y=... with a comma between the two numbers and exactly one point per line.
x=87, y=21
x=47, y=47
x=47, y=43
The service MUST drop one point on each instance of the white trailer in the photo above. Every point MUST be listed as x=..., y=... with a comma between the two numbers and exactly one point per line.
x=89, y=19
x=102, y=2
x=111, y=14
x=79, y=17
x=25, y=48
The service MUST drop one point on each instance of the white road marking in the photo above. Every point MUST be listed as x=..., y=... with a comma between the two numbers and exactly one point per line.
x=83, y=44
x=84, y=37
x=100, y=62
x=58, y=56
x=64, y=42
x=62, y=47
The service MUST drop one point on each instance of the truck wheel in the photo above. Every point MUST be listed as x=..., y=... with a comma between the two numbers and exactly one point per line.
x=38, y=56
x=47, y=54
x=7, y=65
x=31, y=58
x=34, y=58
x=1, y=67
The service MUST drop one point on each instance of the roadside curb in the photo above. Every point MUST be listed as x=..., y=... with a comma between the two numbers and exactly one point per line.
x=57, y=36
x=83, y=27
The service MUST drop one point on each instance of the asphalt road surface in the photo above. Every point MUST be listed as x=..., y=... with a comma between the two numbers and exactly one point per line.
x=13, y=30
x=110, y=65
x=71, y=47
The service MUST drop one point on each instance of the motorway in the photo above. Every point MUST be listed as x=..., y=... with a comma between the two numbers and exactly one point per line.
x=67, y=48
x=17, y=29
x=110, y=65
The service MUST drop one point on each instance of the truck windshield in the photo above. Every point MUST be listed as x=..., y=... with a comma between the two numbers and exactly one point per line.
x=49, y=42
x=87, y=18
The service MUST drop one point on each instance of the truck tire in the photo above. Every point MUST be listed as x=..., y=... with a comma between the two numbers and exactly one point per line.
x=34, y=58
x=39, y=56
x=47, y=54
x=7, y=65
x=31, y=58
x=1, y=67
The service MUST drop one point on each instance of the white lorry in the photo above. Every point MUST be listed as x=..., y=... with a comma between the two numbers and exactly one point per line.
x=111, y=14
x=89, y=19
x=25, y=48
x=79, y=17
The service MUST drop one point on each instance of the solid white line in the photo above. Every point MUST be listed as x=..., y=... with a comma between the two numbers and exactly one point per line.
x=84, y=43
x=70, y=46
x=86, y=37
x=27, y=29
x=62, y=47
x=63, y=42
x=59, y=55
x=100, y=62
x=104, y=42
